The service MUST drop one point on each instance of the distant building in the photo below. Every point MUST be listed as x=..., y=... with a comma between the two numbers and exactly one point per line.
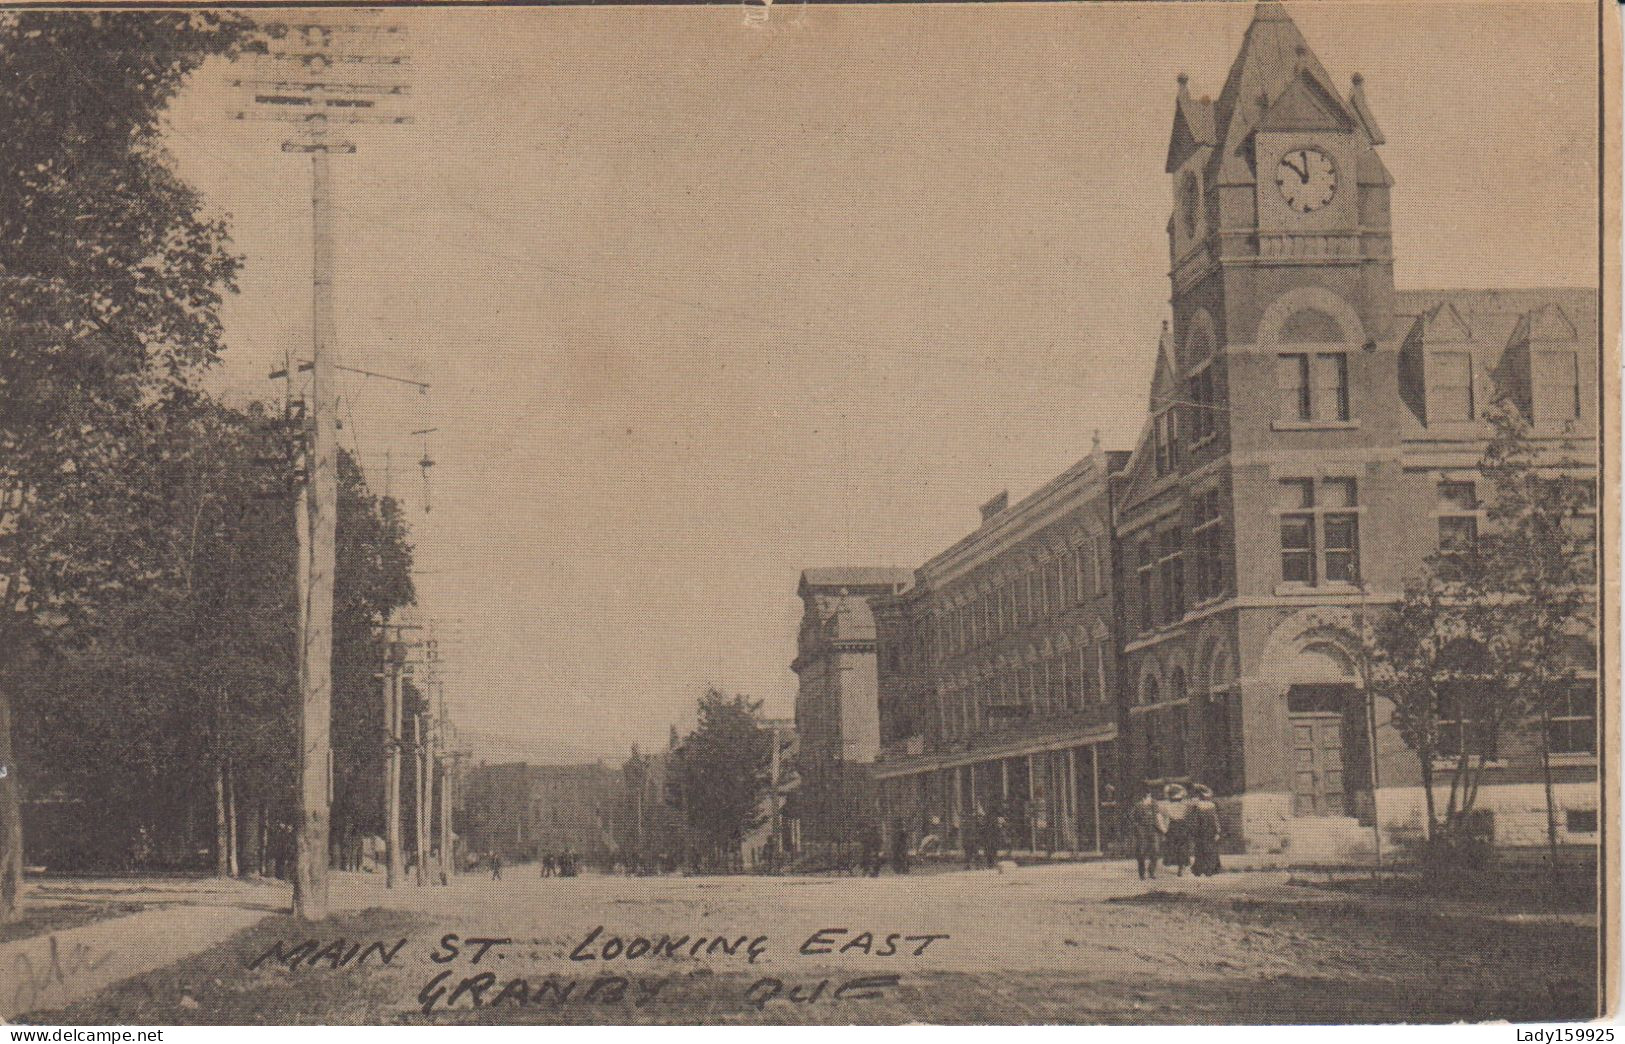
x=778, y=833
x=837, y=709
x=651, y=826
x=523, y=811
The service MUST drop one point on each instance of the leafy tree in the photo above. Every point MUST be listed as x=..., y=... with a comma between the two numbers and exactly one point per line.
x=723, y=767
x=186, y=680
x=1486, y=635
x=1539, y=572
x=110, y=282
x=1427, y=659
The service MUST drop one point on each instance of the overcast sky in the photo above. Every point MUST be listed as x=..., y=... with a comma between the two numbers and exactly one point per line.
x=705, y=303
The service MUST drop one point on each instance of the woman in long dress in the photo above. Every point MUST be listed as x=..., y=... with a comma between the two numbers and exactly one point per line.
x=1176, y=844
x=1204, y=823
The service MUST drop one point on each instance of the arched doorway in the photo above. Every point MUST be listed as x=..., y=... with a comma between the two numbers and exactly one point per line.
x=1329, y=753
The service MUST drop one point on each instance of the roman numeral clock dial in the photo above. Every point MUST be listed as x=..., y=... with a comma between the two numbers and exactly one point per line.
x=1307, y=179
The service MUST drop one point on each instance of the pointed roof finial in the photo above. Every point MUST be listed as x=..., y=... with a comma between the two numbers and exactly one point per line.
x=1182, y=78
x=1362, y=110
x=1094, y=444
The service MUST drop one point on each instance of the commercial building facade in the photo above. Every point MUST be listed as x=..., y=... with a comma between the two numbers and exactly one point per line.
x=998, y=676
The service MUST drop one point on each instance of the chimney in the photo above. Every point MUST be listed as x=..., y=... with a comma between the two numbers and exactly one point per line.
x=996, y=505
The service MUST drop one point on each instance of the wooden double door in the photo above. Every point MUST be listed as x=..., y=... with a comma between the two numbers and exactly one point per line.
x=1317, y=764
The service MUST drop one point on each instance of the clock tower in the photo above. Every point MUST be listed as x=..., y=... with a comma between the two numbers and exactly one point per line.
x=1277, y=185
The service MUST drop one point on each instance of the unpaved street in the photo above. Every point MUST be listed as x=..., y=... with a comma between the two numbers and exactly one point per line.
x=1072, y=943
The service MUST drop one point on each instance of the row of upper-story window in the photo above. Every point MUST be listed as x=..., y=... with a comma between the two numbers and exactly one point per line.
x=1319, y=543
x=1313, y=387
x=1159, y=562
x=1460, y=514
x=1319, y=531
x=1064, y=682
x=1046, y=589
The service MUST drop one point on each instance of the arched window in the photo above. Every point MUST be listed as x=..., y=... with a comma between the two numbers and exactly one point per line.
x=1190, y=204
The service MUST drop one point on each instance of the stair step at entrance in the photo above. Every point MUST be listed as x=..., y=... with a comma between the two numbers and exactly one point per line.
x=1328, y=838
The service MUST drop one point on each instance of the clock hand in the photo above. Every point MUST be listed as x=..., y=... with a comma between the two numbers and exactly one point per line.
x=1303, y=174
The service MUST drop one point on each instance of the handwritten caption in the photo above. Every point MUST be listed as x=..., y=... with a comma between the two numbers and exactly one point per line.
x=469, y=977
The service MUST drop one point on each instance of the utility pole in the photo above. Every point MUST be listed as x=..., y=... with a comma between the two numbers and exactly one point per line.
x=443, y=758
x=394, y=662
x=392, y=820
x=305, y=88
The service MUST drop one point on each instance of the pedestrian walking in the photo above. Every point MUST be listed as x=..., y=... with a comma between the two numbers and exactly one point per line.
x=1148, y=825
x=496, y=867
x=1204, y=823
x=970, y=836
x=1176, y=843
x=869, y=839
x=992, y=837
x=899, y=848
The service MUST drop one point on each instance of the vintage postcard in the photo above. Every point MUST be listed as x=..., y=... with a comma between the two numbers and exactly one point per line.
x=1088, y=513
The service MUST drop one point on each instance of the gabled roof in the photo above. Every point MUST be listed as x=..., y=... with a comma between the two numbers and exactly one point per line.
x=1193, y=126
x=1547, y=323
x=1165, y=378
x=1442, y=324
x=1273, y=56
x=1305, y=106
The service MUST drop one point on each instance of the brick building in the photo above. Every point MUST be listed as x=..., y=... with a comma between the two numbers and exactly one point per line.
x=998, y=669
x=1301, y=399
x=525, y=811
x=837, y=718
x=1111, y=632
x=650, y=826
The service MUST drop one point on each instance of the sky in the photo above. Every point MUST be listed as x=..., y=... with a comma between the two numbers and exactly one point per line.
x=705, y=301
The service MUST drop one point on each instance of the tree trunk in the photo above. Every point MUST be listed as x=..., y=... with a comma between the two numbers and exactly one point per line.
x=257, y=830
x=11, y=818
x=222, y=833
x=1425, y=758
x=231, y=820
x=1546, y=779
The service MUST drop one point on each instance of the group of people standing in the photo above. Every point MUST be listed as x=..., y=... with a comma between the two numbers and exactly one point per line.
x=560, y=865
x=984, y=837
x=1177, y=830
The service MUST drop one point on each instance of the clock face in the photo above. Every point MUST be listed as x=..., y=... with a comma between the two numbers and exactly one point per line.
x=1307, y=179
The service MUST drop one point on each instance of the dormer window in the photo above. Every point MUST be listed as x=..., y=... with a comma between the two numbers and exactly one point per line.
x=1449, y=387
x=1555, y=385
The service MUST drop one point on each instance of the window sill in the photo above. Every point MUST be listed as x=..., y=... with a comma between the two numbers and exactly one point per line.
x=1313, y=425
x=1313, y=590
x=1204, y=441
x=1449, y=764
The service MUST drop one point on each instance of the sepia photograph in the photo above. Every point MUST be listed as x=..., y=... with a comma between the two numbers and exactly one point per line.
x=1093, y=513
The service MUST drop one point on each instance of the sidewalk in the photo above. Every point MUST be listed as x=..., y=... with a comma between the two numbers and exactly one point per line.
x=54, y=969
